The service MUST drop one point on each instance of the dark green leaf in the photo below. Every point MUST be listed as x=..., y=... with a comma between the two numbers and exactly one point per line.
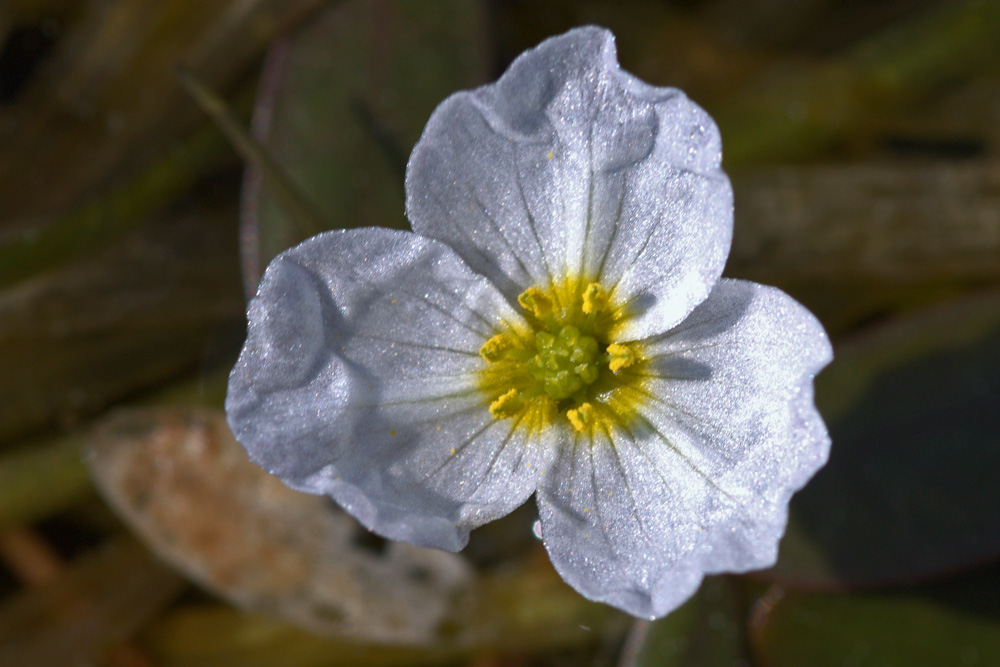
x=910, y=490
x=956, y=624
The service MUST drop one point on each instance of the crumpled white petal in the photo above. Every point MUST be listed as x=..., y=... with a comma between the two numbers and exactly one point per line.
x=701, y=481
x=359, y=377
x=570, y=166
x=357, y=380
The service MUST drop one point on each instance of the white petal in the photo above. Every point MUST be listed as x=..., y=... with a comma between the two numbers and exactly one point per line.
x=735, y=380
x=700, y=481
x=568, y=165
x=625, y=523
x=358, y=380
x=669, y=246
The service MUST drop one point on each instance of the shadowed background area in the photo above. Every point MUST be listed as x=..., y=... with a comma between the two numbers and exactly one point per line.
x=863, y=144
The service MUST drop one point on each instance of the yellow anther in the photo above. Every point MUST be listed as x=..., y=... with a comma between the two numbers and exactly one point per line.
x=620, y=356
x=595, y=299
x=582, y=417
x=507, y=405
x=494, y=349
x=536, y=302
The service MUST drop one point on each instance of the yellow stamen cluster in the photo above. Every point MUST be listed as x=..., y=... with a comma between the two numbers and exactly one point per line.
x=566, y=365
x=507, y=405
x=582, y=417
x=536, y=302
x=620, y=356
x=595, y=299
x=494, y=349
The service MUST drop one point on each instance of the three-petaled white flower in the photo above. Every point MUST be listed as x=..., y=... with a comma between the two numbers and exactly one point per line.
x=556, y=326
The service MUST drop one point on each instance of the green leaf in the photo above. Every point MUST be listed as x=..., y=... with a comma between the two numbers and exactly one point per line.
x=342, y=104
x=910, y=490
x=955, y=624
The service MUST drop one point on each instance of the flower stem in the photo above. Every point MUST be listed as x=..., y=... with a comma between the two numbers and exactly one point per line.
x=288, y=194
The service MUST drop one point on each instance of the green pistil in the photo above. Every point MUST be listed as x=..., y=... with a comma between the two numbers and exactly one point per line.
x=564, y=363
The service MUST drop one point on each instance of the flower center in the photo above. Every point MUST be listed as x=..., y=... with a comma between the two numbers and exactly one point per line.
x=567, y=367
x=565, y=362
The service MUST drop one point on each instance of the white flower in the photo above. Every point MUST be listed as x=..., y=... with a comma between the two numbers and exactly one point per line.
x=556, y=326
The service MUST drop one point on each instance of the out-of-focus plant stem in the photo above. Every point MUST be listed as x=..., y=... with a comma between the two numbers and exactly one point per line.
x=926, y=222
x=42, y=479
x=48, y=476
x=98, y=601
x=289, y=195
x=929, y=52
x=87, y=229
x=529, y=612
